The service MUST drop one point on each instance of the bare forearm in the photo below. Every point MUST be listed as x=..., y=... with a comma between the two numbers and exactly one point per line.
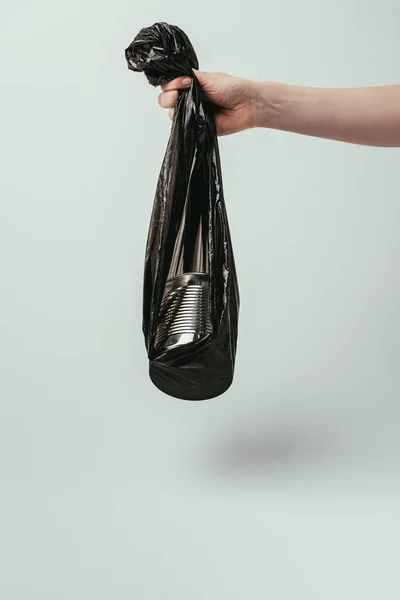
x=369, y=116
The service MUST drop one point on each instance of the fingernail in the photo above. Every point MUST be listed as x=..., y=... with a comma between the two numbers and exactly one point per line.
x=186, y=81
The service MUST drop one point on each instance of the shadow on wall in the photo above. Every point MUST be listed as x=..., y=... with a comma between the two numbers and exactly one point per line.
x=278, y=446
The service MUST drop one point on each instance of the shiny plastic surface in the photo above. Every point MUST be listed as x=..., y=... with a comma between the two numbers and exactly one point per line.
x=188, y=234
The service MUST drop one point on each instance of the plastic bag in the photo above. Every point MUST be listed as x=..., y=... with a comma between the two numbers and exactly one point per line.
x=190, y=296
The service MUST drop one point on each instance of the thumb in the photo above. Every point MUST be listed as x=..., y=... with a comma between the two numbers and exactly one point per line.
x=208, y=83
x=201, y=76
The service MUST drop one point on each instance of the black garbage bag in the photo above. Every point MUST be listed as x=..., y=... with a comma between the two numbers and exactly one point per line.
x=190, y=296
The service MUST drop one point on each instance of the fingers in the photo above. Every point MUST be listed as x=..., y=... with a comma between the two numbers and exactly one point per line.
x=168, y=99
x=177, y=84
x=170, y=91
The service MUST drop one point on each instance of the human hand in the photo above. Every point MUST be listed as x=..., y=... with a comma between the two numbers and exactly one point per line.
x=234, y=98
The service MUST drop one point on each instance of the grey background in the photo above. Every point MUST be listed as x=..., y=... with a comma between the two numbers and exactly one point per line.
x=287, y=486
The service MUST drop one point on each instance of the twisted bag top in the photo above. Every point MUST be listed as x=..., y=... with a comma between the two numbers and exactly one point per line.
x=163, y=52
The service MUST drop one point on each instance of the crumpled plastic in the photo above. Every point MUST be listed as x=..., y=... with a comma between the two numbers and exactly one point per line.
x=190, y=177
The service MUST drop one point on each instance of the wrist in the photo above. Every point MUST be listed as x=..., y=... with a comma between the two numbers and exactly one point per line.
x=267, y=101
